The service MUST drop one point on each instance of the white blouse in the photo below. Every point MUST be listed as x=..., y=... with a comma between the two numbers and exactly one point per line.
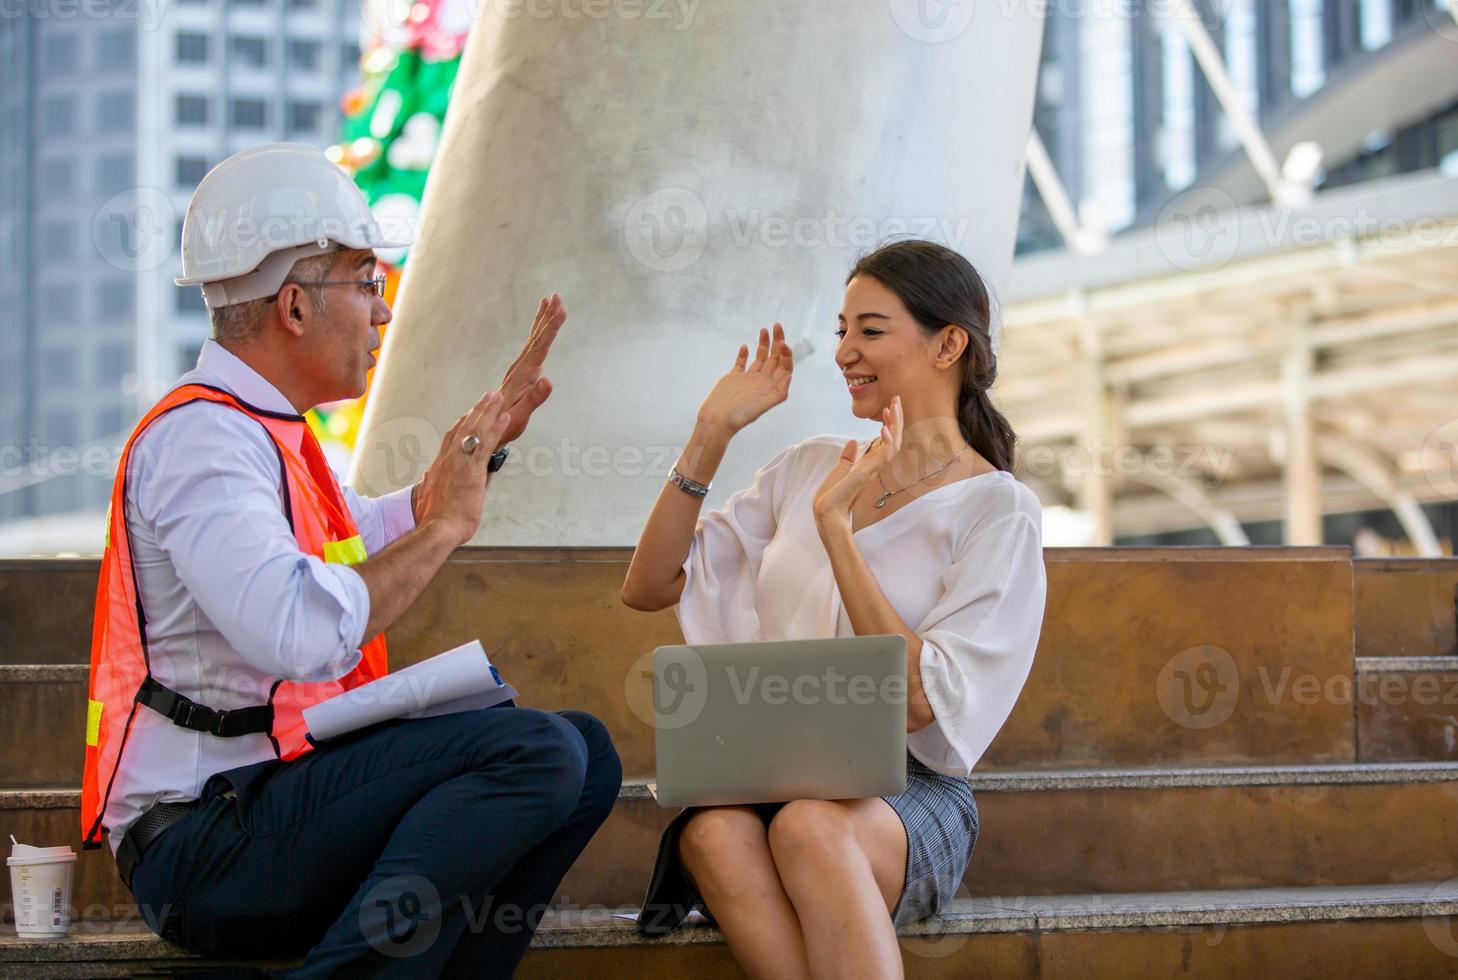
x=963, y=565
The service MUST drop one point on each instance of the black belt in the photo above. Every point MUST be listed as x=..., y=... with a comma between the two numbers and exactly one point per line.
x=147, y=828
x=185, y=713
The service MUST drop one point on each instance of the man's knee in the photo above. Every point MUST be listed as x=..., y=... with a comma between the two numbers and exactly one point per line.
x=594, y=733
x=604, y=777
x=549, y=750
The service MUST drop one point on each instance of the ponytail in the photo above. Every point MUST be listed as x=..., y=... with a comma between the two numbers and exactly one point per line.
x=985, y=428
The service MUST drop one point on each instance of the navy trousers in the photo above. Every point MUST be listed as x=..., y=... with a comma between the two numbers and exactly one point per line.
x=412, y=849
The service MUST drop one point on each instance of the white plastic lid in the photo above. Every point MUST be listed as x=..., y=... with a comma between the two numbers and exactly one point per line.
x=28, y=853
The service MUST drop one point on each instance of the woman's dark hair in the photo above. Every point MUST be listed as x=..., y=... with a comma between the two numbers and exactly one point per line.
x=939, y=287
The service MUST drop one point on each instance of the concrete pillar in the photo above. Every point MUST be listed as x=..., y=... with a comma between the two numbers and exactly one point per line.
x=683, y=173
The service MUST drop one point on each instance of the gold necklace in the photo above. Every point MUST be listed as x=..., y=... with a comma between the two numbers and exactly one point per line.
x=881, y=500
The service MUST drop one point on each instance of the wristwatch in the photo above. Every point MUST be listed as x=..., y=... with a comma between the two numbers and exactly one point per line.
x=497, y=460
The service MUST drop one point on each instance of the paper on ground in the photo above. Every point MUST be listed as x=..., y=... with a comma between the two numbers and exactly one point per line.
x=694, y=918
x=457, y=680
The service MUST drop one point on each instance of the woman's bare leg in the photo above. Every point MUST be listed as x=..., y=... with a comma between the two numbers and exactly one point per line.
x=843, y=865
x=726, y=851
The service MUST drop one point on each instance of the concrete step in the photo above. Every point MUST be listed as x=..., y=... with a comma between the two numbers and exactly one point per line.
x=1407, y=708
x=46, y=609
x=1407, y=711
x=42, y=710
x=1405, y=607
x=1042, y=833
x=1141, y=661
x=1358, y=931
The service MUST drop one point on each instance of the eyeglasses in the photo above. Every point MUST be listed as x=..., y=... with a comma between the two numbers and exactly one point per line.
x=375, y=284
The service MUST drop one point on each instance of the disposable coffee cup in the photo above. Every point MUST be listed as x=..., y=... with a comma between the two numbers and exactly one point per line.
x=40, y=888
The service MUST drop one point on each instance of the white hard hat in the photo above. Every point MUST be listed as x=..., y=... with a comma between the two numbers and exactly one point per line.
x=258, y=212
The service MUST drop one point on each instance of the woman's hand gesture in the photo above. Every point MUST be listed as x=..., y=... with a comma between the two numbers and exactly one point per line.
x=853, y=472
x=750, y=390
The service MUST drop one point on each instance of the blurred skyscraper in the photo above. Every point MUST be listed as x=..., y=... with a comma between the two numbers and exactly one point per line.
x=112, y=112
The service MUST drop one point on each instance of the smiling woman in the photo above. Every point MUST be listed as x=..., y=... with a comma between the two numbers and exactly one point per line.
x=941, y=293
x=923, y=533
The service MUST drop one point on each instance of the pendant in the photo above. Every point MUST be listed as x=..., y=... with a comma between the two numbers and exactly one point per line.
x=881, y=500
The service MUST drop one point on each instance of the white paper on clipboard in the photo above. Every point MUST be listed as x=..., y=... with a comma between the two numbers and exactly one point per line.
x=461, y=679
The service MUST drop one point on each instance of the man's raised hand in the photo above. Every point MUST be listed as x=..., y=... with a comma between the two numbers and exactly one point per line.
x=524, y=388
x=454, y=487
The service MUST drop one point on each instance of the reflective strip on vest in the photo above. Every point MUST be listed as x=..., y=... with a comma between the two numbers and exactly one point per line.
x=350, y=551
x=93, y=721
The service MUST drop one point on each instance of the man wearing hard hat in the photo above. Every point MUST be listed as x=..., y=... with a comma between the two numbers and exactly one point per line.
x=241, y=584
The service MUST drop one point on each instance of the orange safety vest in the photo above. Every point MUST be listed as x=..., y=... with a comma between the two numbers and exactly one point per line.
x=121, y=679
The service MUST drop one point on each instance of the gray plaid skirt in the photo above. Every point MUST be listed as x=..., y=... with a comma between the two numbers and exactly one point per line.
x=940, y=817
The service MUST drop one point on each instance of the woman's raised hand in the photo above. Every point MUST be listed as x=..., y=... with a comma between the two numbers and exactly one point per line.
x=855, y=470
x=751, y=389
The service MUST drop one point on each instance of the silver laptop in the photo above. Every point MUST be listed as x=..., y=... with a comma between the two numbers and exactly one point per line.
x=769, y=722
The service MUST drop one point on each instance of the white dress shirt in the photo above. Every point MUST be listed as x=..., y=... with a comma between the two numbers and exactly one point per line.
x=232, y=604
x=962, y=565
